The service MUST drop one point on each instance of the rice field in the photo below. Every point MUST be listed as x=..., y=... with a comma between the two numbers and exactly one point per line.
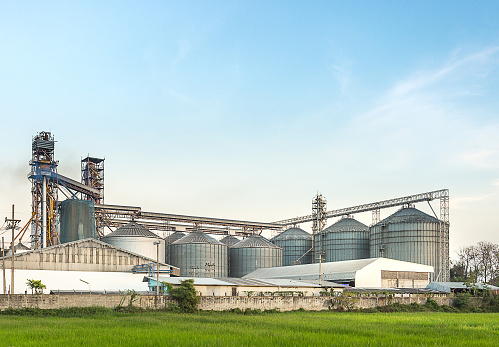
x=229, y=329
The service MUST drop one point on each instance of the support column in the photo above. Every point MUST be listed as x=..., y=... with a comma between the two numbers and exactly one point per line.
x=44, y=212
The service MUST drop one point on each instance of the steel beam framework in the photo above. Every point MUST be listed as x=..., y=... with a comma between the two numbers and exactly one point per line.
x=429, y=196
x=115, y=215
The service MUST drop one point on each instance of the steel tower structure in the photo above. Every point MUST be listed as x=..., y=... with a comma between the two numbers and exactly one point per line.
x=44, y=188
x=319, y=222
x=92, y=175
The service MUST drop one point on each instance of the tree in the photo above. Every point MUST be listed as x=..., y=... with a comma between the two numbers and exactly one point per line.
x=457, y=272
x=185, y=295
x=36, y=286
x=485, y=252
x=478, y=263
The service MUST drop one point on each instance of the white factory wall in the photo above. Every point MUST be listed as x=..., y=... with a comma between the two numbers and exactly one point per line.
x=370, y=275
x=70, y=280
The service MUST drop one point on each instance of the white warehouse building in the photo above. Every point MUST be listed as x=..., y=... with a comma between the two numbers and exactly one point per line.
x=365, y=273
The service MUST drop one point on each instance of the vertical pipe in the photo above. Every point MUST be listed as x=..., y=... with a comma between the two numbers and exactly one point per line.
x=44, y=212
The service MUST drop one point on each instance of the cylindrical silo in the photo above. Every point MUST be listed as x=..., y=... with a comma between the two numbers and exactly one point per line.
x=199, y=255
x=168, y=241
x=230, y=241
x=135, y=238
x=347, y=239
x=411, y=235
x=253, y=253
x=77, y=218
x=296, y=246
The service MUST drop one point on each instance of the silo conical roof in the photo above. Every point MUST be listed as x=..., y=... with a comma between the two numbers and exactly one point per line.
x=196, y=237
x=230, y=240
x=174, y=237
x=347, y=224
x=255, y=241
x=292, y=234
x=132, y=229
x=409, y=215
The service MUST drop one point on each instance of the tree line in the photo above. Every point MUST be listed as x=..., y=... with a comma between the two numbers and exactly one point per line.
x=478, y=263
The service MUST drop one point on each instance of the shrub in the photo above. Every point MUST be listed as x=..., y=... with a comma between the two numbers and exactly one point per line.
x=462, y=300
x=432, y=305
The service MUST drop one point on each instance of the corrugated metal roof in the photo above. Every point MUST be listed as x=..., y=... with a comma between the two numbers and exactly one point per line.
x=293, y=234
x=196, y=237
x=338, y=271
x=230, y=240
x=340, y=267
x=408, y=215
x=447, y=287
x=347, y=224
x=132, y=229
x=249, y=282
x=255, y=241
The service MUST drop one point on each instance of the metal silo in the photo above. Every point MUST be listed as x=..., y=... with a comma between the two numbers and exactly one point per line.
x=347, y=239
x=411, y=235
x=230, y=240
x=168, y=241
x=135, y=238
x=296, y=246
x=77, y=218
x=253, y=253
x=199, y=255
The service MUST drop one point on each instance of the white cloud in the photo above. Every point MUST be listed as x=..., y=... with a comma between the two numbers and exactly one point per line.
x=425, y=79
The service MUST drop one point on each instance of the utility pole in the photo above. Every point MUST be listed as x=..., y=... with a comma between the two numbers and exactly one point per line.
x=157, y=273
x=3, y=266
x=13, y=224
x=320, y=259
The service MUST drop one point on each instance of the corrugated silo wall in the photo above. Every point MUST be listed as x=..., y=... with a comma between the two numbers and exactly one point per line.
x=77, y=218
x=346, y=245
x=417, y=242
x=248, y=259
x=200, y=259
x=294, y=249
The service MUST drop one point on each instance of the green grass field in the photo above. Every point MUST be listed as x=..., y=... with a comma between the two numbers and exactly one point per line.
x=229, y=329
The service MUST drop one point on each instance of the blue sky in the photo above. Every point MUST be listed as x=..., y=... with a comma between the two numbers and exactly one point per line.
x=246, y=109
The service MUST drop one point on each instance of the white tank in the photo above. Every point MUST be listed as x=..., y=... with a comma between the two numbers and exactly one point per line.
x=135, y=238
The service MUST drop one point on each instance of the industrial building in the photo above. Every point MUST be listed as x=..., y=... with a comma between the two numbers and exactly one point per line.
x=370, y=273
x=82, y=233
x=247, y=286
x=89, y=256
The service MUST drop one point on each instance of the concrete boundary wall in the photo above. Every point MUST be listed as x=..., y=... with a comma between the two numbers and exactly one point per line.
x=54, y=301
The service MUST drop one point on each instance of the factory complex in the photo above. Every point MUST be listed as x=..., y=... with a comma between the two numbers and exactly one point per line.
x=74, y=242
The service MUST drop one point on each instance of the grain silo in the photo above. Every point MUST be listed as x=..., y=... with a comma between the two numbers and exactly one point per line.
x=414, y=236
x=253, y=253
x=199, y=255
x=77, y=220
x=168, y=241
x=347, y=239
x=296, y=246
x=230, y=240
x=135, y=238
